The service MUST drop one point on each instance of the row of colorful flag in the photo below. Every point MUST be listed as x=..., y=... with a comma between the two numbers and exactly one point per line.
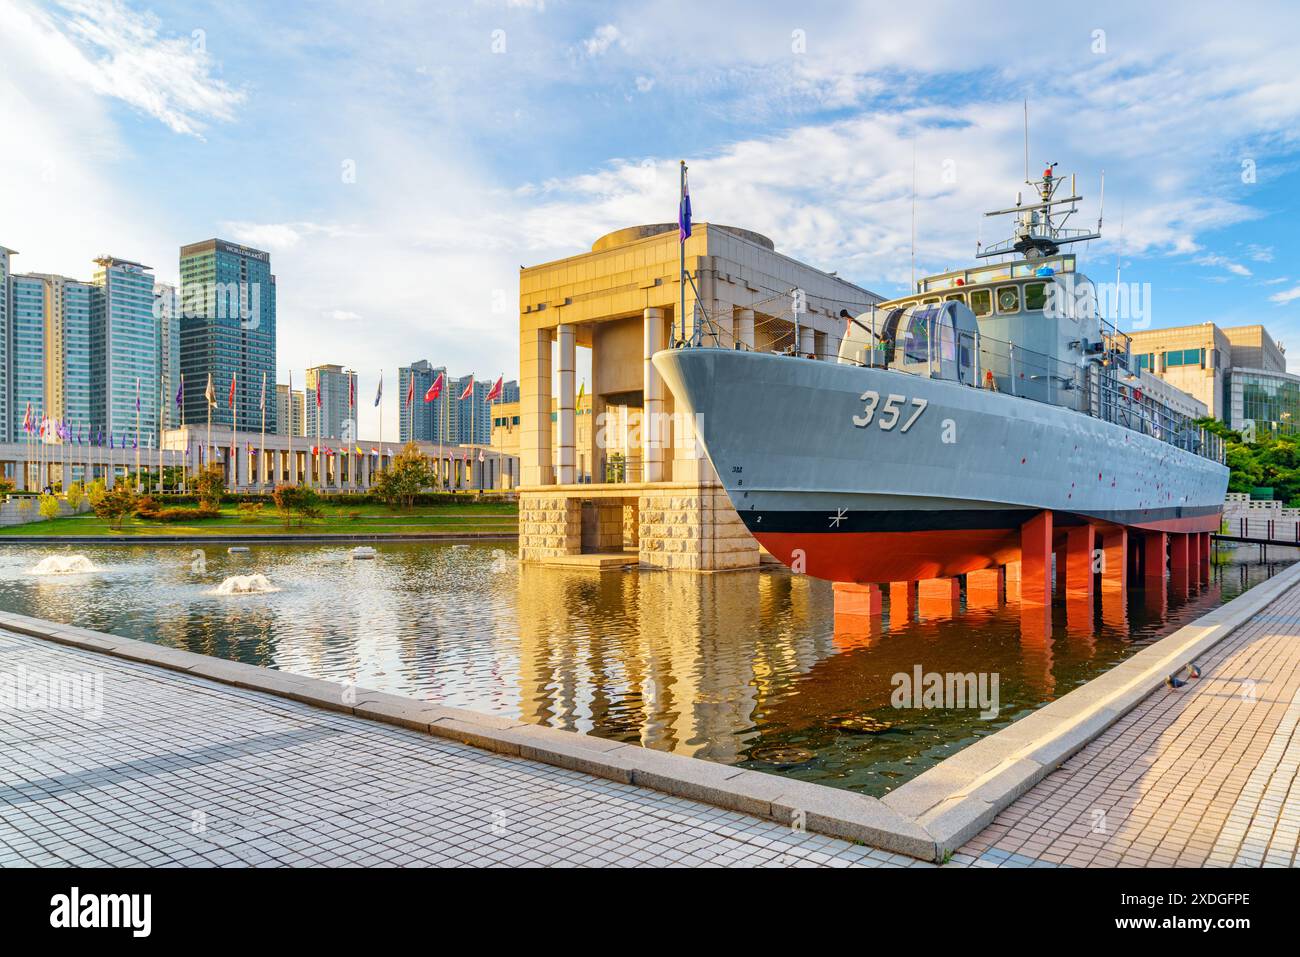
x=435, y=390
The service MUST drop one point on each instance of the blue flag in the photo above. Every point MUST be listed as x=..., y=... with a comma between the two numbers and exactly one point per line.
x=684, y=211
x=379, y=393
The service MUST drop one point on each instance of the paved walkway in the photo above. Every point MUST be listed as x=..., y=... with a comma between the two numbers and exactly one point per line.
x=1203, y=775
x=182, y=771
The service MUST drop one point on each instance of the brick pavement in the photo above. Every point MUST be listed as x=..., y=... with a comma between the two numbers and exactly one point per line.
x=181, y=771
x=1203, y=775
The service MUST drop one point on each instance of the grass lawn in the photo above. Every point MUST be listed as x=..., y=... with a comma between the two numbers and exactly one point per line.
x=456, y=518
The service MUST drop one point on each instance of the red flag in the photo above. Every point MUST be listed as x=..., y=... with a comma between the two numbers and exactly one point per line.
x=435, y=390
x=352, y=391
x=497, y=388
x=318, y=378
x=410, y=389
x=232, y=390
x=469, y=390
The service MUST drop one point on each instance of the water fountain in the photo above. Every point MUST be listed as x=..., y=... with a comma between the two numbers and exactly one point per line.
x=255, y=584
x=363, y=551
x=64, y=565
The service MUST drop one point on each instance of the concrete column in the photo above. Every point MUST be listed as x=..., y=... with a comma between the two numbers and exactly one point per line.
x=745, y=327
x=652, y=388
x=902, y=601
x=566, y=427
x=535, y=407
x=1036, y=560
x=985, y=588
x=1179, y=553
x=1154, y=545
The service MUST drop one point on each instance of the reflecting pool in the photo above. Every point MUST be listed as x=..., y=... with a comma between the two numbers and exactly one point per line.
x=741, y=668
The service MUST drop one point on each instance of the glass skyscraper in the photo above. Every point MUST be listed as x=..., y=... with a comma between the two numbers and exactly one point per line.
x=123, y=349
x=227, y=330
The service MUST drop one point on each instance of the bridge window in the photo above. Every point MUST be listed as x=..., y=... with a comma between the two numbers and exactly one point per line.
x=955, y=297
x=981, y=302
x=1035, y=295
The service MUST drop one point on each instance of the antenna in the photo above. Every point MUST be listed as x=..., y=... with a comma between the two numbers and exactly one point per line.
x=1119, y=251
x=913, y=211
x=1101, y=204
x=1026, y=139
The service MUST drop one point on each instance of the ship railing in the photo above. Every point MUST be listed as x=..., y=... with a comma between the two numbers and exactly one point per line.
x=1094, y=388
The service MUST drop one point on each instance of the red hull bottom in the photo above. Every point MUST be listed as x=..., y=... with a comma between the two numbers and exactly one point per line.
x=879, y=557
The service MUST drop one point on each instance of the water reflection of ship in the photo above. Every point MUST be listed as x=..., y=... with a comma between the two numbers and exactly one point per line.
x=711, y=666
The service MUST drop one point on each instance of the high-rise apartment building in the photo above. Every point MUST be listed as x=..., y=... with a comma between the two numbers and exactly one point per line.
x=26, y=359
x=68, y=383
x=290, y=413
x=123, y=349
x=330, y=399
x=167, y=312
x=227, y=330
x=5, y=253
x=418, y=420
x=448, y=418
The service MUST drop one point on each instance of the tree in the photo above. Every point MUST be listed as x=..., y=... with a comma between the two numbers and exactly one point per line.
x=210, y=486
x=116, y=504
x=296, y=500
x=96, y=492
x=49, y=506
x=407, y=476
x=76, y=495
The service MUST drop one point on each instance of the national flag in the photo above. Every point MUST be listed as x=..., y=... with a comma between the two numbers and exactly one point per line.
x=315, y=450
x=137, y=393
x=684, y=210
x=352, y=390
x=410, y=389
x=250, y=448
x=110, y=441
x=262, y=401
x=359, y=452
x=180, y=392
x=498, y=387
x=232, y=390
x=435, y=390
x=318, y=399
x=379, y=393
x=27, y=420
x=135, y=442
x=582, y=391
x=210, y=393
x=469, y=390
x=373, y=450
x=41, y=430
x=480, y=455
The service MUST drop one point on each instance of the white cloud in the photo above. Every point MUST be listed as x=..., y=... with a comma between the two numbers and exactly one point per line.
x=119, y=53
x=598, y=43
x=1287, y=295
x=644, y=84
x=1213, y=259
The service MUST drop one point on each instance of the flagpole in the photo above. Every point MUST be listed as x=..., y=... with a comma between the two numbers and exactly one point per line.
x=380, y=403
x=681, y=252
x=261, y=461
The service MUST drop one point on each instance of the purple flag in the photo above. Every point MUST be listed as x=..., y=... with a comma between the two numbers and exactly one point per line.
x=684, y=211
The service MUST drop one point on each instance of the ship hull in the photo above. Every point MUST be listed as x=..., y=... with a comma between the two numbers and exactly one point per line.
x=873, y=475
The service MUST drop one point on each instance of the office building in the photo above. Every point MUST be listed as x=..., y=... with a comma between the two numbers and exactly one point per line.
x=228, y=331
x=26, y=353
x=1238, y=372
x=167, y=312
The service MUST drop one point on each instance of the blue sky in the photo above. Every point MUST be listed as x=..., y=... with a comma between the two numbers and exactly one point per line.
x=486, y=135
